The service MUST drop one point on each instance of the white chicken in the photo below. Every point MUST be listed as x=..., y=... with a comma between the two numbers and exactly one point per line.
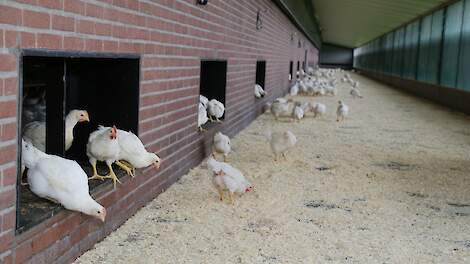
x=355, y=93
x=298, y=113
x=203, y=100
x=294, y=90
x=103, y=145
x=35, y=132
x=342, y=111
x=215, y=109
x=60, y=180
x=281, y=142
x=133, y=152
x=318, y=109
x=259, y=92
x=202, y=118
x=221, y=145
x=228, y=178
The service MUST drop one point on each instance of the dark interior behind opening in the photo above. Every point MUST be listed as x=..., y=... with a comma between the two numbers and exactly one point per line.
x=213, y=80
x=261, y=73
x=108, y=88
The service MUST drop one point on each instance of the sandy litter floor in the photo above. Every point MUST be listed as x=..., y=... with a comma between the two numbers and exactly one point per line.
x=389, y=185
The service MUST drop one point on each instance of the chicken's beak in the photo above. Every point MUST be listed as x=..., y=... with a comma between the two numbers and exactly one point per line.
x=85, y=118
x=102, y=217
x=114, y=132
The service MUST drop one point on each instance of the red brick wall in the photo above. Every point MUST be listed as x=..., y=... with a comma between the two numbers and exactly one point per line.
x=172, y=37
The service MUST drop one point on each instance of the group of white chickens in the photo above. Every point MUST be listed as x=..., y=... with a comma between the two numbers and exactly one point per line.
x=212, y=110
x=316, y=82
x=230, y=179
x=64, y=181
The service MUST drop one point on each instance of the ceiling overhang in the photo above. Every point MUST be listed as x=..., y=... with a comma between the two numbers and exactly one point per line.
x=352, y=23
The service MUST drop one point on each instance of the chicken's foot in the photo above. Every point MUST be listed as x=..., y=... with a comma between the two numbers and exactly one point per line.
x=232, y=200
x=112, y=176
x=96, y=176
x=221, y=194
x=126, y=167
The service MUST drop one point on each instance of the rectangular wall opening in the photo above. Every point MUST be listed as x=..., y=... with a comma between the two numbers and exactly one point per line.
x=213, y=81
x=261, y=73
x=291, y=70
x=298, y=70
x=106, y=87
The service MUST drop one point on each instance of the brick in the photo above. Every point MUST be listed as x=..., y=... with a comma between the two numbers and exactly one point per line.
x=7, y=62
x=54, y=4
x=73, y=43
x=8, y=131
x=28, y=40
x=23, y=251
x=103, y=29
x=36, y=19
x=86, y=27
x=9, y=176
x=10, y=15
x=63, y=23
x=10, y=86
x=7, y=154
x=2, y=33
x=11, y=39
x=44, y=239
x=49, y=41
x=7, y=109
x=9, y=220
x=7, y=199
x=94, y=11
x=93, y=45
x=74, y=6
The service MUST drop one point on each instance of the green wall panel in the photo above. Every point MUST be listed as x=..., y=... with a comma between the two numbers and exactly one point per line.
x=424, y=38
x=411, y=50
x=398, y=52
x=389, y=53
x=450, y=49
x=434, y=48
x=463, y=78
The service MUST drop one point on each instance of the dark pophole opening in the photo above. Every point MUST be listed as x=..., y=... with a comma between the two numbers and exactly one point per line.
x=107, y=87
x=213, y=81
x=261, y=73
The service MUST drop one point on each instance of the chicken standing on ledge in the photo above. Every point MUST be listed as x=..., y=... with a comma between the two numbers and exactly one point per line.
x=60, y=180
x=215, y=109
x=132, y=154
x=259, y=92
x=221, y=145
x=202, y=118
x=36, y=131
x=103, y=145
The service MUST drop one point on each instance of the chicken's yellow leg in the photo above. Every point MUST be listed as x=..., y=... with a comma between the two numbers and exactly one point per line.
x=221, y=194
x=129, y=165
x=112, y=175
x=122, y=165
x=95, y=176
x=232, y=201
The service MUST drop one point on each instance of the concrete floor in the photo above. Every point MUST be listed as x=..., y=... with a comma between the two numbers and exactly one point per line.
x=389, y=185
